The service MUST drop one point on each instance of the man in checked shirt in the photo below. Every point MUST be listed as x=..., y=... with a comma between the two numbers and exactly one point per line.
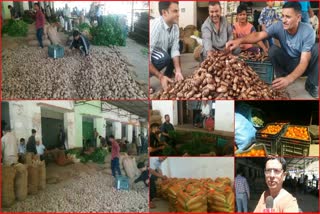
x=164, y=48
x=242, y=191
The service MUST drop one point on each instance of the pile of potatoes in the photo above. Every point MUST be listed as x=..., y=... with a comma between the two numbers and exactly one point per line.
x=29, y=73
x=222, y=76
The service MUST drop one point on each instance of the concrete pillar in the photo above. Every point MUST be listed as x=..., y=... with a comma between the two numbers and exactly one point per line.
x=69, y=128
x=79, y=135
x=129, y=133
x=98, y=124
x=117, y=130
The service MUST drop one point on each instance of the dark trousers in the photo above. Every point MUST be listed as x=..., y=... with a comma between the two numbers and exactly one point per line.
x=39, y=36
x=162, y=59
x=139, y=150
x=284, y=64
x=153, y=189
x=143, y=177
x=115, y=166
x=99, y=19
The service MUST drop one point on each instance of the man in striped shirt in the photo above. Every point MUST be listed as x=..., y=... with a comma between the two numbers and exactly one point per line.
x=164, y=46
x=216, y=31
x=242, y=191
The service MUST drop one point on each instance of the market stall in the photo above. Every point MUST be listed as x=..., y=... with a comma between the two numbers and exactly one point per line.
x=275, y=128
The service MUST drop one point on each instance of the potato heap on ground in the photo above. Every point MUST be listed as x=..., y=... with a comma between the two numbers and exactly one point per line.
x=197, y=195
x=30, y=73
x=222, y=76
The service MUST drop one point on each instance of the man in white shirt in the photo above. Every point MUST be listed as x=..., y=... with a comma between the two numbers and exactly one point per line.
x=156, y=172
x=9, y=148
x=205, y=113
x=164, y=48
x=314, y=21
x=40, y=149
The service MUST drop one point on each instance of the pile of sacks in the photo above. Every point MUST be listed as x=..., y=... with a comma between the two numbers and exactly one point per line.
x=155, y=117
x=127, y=163
x=197, y=195
x=19, y=180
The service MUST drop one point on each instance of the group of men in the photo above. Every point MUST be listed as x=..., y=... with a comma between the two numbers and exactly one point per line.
x=159, y=136
x=14, y=151
x=297, y=40
x=79, y=41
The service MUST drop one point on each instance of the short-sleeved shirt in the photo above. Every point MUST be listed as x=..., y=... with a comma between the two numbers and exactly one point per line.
x=115, y=150
x=154, y=143
x=155, y=163
x=164, y=37
x=165, y=128
x=268, y=16
x=22, y=149
x=242, y=31
x=40, y=149
x=293, y=45
x=214, y=39
x=305, y=5
x=284, y=202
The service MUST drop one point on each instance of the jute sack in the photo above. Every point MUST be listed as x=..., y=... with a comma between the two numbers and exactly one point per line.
x=8, y=176
x=21, y=182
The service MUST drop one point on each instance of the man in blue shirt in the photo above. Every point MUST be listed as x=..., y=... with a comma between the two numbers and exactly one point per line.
x=298, y=54
x=305, y=7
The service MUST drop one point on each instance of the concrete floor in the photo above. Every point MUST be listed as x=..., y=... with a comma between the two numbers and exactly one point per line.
x=161, y=206
x=139, y=62
x=189, y=64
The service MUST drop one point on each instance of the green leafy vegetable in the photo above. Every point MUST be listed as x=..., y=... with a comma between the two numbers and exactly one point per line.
x=15, y=28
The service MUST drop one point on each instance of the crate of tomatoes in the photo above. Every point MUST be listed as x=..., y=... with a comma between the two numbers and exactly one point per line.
x=270, y=136
x=295, y=141
x=256, y=150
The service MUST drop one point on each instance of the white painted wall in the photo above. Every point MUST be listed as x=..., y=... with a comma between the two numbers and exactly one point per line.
x=167, y=107
x=118, y=129
x=188, y=13
x=224, y=116
x=129, y=133
x=69, y=126
x=26, y=115
x=199, y=167
x=187, y=10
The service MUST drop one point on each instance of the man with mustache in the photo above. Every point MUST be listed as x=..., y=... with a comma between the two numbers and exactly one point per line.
x=216, y=31
x=298, y=55
x=275, y=174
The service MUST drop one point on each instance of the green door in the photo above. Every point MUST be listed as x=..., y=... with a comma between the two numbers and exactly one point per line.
x=87, y=129
x=50, y=132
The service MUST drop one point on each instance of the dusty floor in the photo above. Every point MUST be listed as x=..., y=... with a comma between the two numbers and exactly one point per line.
x=133, y=55
x=83, y=188
x=189, y=64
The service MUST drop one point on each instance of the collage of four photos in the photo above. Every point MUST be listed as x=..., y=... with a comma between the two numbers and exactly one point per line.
x=158, y=106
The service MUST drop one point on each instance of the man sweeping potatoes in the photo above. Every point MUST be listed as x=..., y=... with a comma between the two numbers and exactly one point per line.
x=80, y=42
